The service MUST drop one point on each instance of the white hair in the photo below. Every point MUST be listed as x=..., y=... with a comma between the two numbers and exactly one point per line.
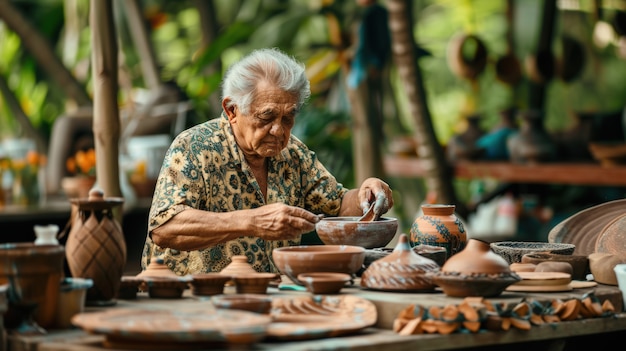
x=270, y=65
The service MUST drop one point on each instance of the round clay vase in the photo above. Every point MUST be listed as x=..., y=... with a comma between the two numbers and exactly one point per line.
x=439, y=226
x=96, y=247
x=402, y=270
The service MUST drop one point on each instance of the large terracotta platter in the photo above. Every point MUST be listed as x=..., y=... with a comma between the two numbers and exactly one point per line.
x=320, y=316
x=583, y=228
x=128, y=326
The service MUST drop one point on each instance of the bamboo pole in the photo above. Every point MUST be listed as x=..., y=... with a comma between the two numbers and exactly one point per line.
x=106, y=119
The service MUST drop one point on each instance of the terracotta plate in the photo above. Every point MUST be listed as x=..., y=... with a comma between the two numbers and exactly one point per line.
x=127, y=325
x=320, y=316
x=583, y=228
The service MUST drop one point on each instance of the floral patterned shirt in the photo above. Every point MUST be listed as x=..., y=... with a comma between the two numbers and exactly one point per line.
x=205, y=169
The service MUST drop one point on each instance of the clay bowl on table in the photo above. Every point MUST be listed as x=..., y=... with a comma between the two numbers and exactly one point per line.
x=253, y=283
x=257, y=303
x=294, y=260
x=351, y=231
x=166, y=288
x=512, y=251
x=579, y=263
x=208, y=284
x=435, y=253
x=324, y=282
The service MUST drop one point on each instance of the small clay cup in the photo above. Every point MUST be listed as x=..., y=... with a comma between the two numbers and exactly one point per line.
x=253, y=283
x=208, y=284
x=324, y=282
x=166, y=288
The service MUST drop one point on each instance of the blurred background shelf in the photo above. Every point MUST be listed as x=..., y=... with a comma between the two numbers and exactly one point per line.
x=548, y=173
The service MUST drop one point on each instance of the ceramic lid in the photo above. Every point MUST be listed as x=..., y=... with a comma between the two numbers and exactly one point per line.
x=402, y=270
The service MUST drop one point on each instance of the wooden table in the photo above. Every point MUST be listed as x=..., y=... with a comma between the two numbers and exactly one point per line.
x=381, y=337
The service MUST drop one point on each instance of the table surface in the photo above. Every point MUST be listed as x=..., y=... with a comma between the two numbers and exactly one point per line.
x=379, y=337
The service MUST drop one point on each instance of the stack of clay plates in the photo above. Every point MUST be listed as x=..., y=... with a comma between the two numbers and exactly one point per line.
x=542, y=281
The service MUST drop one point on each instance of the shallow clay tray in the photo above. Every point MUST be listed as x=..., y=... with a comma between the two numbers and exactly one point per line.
x=132, y=326
x=583, y=228
x=542, y=281
x=320, y=316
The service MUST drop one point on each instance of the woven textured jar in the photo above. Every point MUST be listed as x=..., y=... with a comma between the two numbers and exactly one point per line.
x=439, y=226
x=95, y=247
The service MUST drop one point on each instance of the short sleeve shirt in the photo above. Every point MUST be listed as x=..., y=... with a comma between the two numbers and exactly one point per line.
x=205, y=169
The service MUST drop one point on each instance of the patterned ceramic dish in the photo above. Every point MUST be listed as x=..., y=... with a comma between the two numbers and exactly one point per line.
x=512, y=251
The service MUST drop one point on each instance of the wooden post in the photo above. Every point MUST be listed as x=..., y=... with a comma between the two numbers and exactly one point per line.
x=106, y=119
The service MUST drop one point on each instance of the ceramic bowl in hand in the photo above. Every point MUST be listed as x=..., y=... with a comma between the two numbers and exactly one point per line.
x=351, y=231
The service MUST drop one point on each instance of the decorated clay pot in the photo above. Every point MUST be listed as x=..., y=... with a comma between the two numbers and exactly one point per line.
x=402, y=270
x=439, y=226
x=96, y=247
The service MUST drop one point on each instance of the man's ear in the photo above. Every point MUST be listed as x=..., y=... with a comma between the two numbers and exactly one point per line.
x=229, y=110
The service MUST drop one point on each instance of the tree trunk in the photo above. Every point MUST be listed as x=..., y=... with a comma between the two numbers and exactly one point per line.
x=210, y=30
x=106, y=120
x=439, y=177
x=43, y=53
x=141, y=38
x=27, y=127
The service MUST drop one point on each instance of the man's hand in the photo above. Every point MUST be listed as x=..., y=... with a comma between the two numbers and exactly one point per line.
x=279, y=221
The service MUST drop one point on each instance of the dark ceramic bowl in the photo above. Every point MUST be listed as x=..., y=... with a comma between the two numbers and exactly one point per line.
x=254, y=283
x=208, y=284
x=512, y=251
x=350, y=231
x=294, y=260
x=166, y=288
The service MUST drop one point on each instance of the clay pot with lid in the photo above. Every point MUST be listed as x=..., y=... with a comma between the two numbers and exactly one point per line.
x=402, y=270
x=475, y=271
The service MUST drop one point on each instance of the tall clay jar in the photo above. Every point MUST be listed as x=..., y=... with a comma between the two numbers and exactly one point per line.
x=96, y=247
x=439, y=226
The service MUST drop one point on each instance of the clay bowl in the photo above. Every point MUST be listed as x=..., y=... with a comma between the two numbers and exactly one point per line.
x=253, y=283
x=512, y=251
x=579, y=263
x=208, y=284
x=129, y=286
x=351, y=231
x=166, y=288
x=602, y=266
x=294, y=260
x=257, y=303
x=456, y=284
x=324, y=282
x=34, y=274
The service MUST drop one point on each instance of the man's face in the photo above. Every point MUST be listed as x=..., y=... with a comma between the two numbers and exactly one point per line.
x=265, y=131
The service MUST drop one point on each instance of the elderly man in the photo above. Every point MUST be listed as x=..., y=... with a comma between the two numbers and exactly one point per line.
x=241, y=184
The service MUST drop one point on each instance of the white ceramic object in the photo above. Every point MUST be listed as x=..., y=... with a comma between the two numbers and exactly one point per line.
x=620, y=273
x=46, y=234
